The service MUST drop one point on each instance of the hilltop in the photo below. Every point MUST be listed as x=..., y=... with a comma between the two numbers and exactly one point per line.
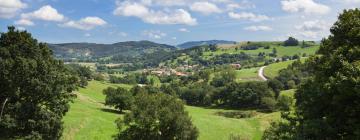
x=191, y=44
x=93, y=50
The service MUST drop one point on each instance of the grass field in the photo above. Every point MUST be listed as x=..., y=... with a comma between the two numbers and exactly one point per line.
x=247, y=75
x=272, y=70
x=215, y=127
x=281, y=51
x=89, y=119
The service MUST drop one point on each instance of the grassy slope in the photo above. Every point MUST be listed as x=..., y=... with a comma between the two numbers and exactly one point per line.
x=281, y=51
x=95, y=88
x=247, y=75
x=272, y=70
x=215, y=127
x=87, y=119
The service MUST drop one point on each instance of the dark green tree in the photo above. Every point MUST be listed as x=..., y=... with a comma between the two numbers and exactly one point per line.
x=120, y=98
x=224, y=77
x=156, y=117
x=327, y=104
x=35, y=89
x=291, y=42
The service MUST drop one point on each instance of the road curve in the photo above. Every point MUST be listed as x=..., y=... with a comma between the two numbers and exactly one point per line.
x=261, y=73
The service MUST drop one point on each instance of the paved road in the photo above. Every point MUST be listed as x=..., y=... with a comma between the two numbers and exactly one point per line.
x=261, y=73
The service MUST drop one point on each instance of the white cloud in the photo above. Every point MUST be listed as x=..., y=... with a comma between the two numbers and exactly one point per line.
x=86, y=23
x=24, y=22
x=315, y=25
x=154, y=34
x=306, y=6
x=9, y=8
x=248, y=16
x=258, y=28
x=87, y=35
x=174, y=38
x=46, y=12
x=242, y=5
x=183, y=30
x=352, y=1
x=205, y=8
x=178, y=16
x=313, y=29
x=123, y=34
x=20, y=28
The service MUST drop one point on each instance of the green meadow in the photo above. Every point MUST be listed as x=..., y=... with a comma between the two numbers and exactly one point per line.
x=89, y=119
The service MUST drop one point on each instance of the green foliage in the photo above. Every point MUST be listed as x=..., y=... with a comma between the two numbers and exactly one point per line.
x=276, y=86
x=291, y=42
x=35, y=88
x=84, y=73
x=327, y=103
x=284, y=103
x=242, y=95
x=156, y=117
x=224, y=77
x=238, y=114
x=120, y=98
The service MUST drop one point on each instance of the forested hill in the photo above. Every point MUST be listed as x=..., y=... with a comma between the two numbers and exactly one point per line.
x=191, y=44
x=92, y=50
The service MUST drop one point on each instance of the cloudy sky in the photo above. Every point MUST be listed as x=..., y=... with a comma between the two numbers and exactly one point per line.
x=172, y=21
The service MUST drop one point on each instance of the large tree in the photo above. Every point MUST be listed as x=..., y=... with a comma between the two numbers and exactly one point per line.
x=35, y=89
x=157, y=117
x=120, y=98
x=328, y=104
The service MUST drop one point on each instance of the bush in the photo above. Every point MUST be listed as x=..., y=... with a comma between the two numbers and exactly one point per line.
x=156, y=117
x=238, y=114
x=291, y=42
x=284, y=103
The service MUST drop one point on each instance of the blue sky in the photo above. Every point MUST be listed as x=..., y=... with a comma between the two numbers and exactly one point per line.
x=172, y=21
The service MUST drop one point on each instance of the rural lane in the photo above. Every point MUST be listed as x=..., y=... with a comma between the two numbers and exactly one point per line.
x=261, y=73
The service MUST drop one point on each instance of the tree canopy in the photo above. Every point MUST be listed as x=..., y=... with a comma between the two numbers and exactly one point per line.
x=156, y=117
x=35, y=89
x=327, y=104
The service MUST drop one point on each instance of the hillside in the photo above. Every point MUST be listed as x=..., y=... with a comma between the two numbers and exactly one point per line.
x=92, y=50
x=191, y=44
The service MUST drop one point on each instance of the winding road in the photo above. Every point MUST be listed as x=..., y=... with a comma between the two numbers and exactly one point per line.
x=261, y=73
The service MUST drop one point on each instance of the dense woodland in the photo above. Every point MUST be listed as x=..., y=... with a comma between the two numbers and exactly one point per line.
x=37, y=89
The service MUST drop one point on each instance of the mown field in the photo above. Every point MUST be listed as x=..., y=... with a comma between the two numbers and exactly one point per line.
x=272, y=70
x=89, y=119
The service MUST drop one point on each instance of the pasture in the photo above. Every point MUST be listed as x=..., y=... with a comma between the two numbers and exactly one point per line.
x=89, y=119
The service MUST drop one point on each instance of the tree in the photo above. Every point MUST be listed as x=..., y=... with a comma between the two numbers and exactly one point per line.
x=276, y=86
x=224, y=77
x=327, y=104
x=156, y=117
x=35, y=88
x=291, y=42
x=120, y=98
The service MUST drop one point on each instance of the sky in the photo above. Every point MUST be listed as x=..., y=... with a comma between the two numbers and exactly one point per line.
x=172, y=21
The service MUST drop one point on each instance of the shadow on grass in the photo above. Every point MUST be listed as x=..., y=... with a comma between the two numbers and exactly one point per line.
x=111, y=111
x=238, y=109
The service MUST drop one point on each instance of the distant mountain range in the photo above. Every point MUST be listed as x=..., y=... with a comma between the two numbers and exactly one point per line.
x=93, y=50
x=200, y=43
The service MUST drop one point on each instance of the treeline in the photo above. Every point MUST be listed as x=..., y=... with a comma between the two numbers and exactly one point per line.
x=220, y=91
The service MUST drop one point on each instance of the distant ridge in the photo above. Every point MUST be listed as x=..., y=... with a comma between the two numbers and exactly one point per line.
x=94, y=50
x=191, y=44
